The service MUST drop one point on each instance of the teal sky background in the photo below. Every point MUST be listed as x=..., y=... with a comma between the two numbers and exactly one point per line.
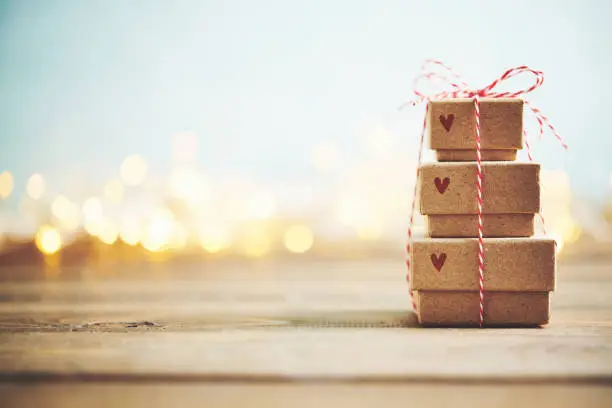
x=84, y=83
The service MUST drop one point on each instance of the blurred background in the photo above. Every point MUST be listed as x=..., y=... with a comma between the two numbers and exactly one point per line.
x=155, y=130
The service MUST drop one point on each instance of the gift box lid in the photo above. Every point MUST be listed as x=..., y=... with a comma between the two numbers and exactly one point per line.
x=452, y=123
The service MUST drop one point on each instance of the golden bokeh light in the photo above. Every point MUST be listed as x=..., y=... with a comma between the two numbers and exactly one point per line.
x=48, y=240
x=152, y=243
x=133, y=170
x=298, y=239
x=129, y=233
x=158, y=234
x=185, y=184
x=66, y=212
x=92, y=209
x=214, y=239
x=369, y=232
x=255, y=241
x=7, y=183
x=258, y=247
x=262, y=205
x=113, y=191
x=109, y=233
x=94, y=227
x=35, y=188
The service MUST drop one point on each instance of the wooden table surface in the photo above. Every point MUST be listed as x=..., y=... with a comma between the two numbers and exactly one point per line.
x=287, y=332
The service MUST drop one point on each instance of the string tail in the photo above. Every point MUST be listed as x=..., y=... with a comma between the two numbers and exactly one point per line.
x=479, y=179
x=413, y=209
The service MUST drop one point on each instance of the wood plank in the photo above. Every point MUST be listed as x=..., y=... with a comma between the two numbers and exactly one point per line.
x=304, y=395
x=295, y=321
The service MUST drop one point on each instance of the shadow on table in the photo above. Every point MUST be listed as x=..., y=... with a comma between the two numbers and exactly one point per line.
x=380, y=319
x=355, y=319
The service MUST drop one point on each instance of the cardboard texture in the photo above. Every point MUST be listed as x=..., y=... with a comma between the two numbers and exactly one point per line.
x=508, y=188
x=494, y=225
x=500, y=308
x=452, y=124
x=511, y=264
x=470, y=155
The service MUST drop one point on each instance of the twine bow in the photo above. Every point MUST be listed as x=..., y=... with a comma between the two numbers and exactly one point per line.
x=432, y=71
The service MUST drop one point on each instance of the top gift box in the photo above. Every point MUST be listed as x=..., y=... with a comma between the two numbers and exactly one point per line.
x=452, y=128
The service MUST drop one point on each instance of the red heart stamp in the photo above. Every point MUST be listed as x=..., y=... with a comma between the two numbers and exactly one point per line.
x=438, y=261
x=441, y=185
x=447, y=121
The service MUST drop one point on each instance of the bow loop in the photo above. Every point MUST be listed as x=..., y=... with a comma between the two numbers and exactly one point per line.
x=437, y=73
x=510, y=73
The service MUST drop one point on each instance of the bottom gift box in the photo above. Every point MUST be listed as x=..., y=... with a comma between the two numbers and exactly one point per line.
x=461, y=308
x=510, y=265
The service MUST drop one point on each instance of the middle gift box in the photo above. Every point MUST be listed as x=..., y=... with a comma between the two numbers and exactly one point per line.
x=511, y=197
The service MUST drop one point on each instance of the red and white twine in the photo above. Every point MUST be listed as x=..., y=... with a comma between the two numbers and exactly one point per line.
x=480, y=204
x=433, y=70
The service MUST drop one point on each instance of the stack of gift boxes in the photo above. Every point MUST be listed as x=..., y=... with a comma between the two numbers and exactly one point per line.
x=519, y=270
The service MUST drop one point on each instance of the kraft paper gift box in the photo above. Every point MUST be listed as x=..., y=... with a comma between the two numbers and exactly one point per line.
x=511, y=264
x=511, y=196
x=519, y=274
x=452, y=128
x=436, y=308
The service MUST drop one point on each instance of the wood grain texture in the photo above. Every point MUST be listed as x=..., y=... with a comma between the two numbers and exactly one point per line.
x=284, y=324
x=305, y=395
x=300, y=395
